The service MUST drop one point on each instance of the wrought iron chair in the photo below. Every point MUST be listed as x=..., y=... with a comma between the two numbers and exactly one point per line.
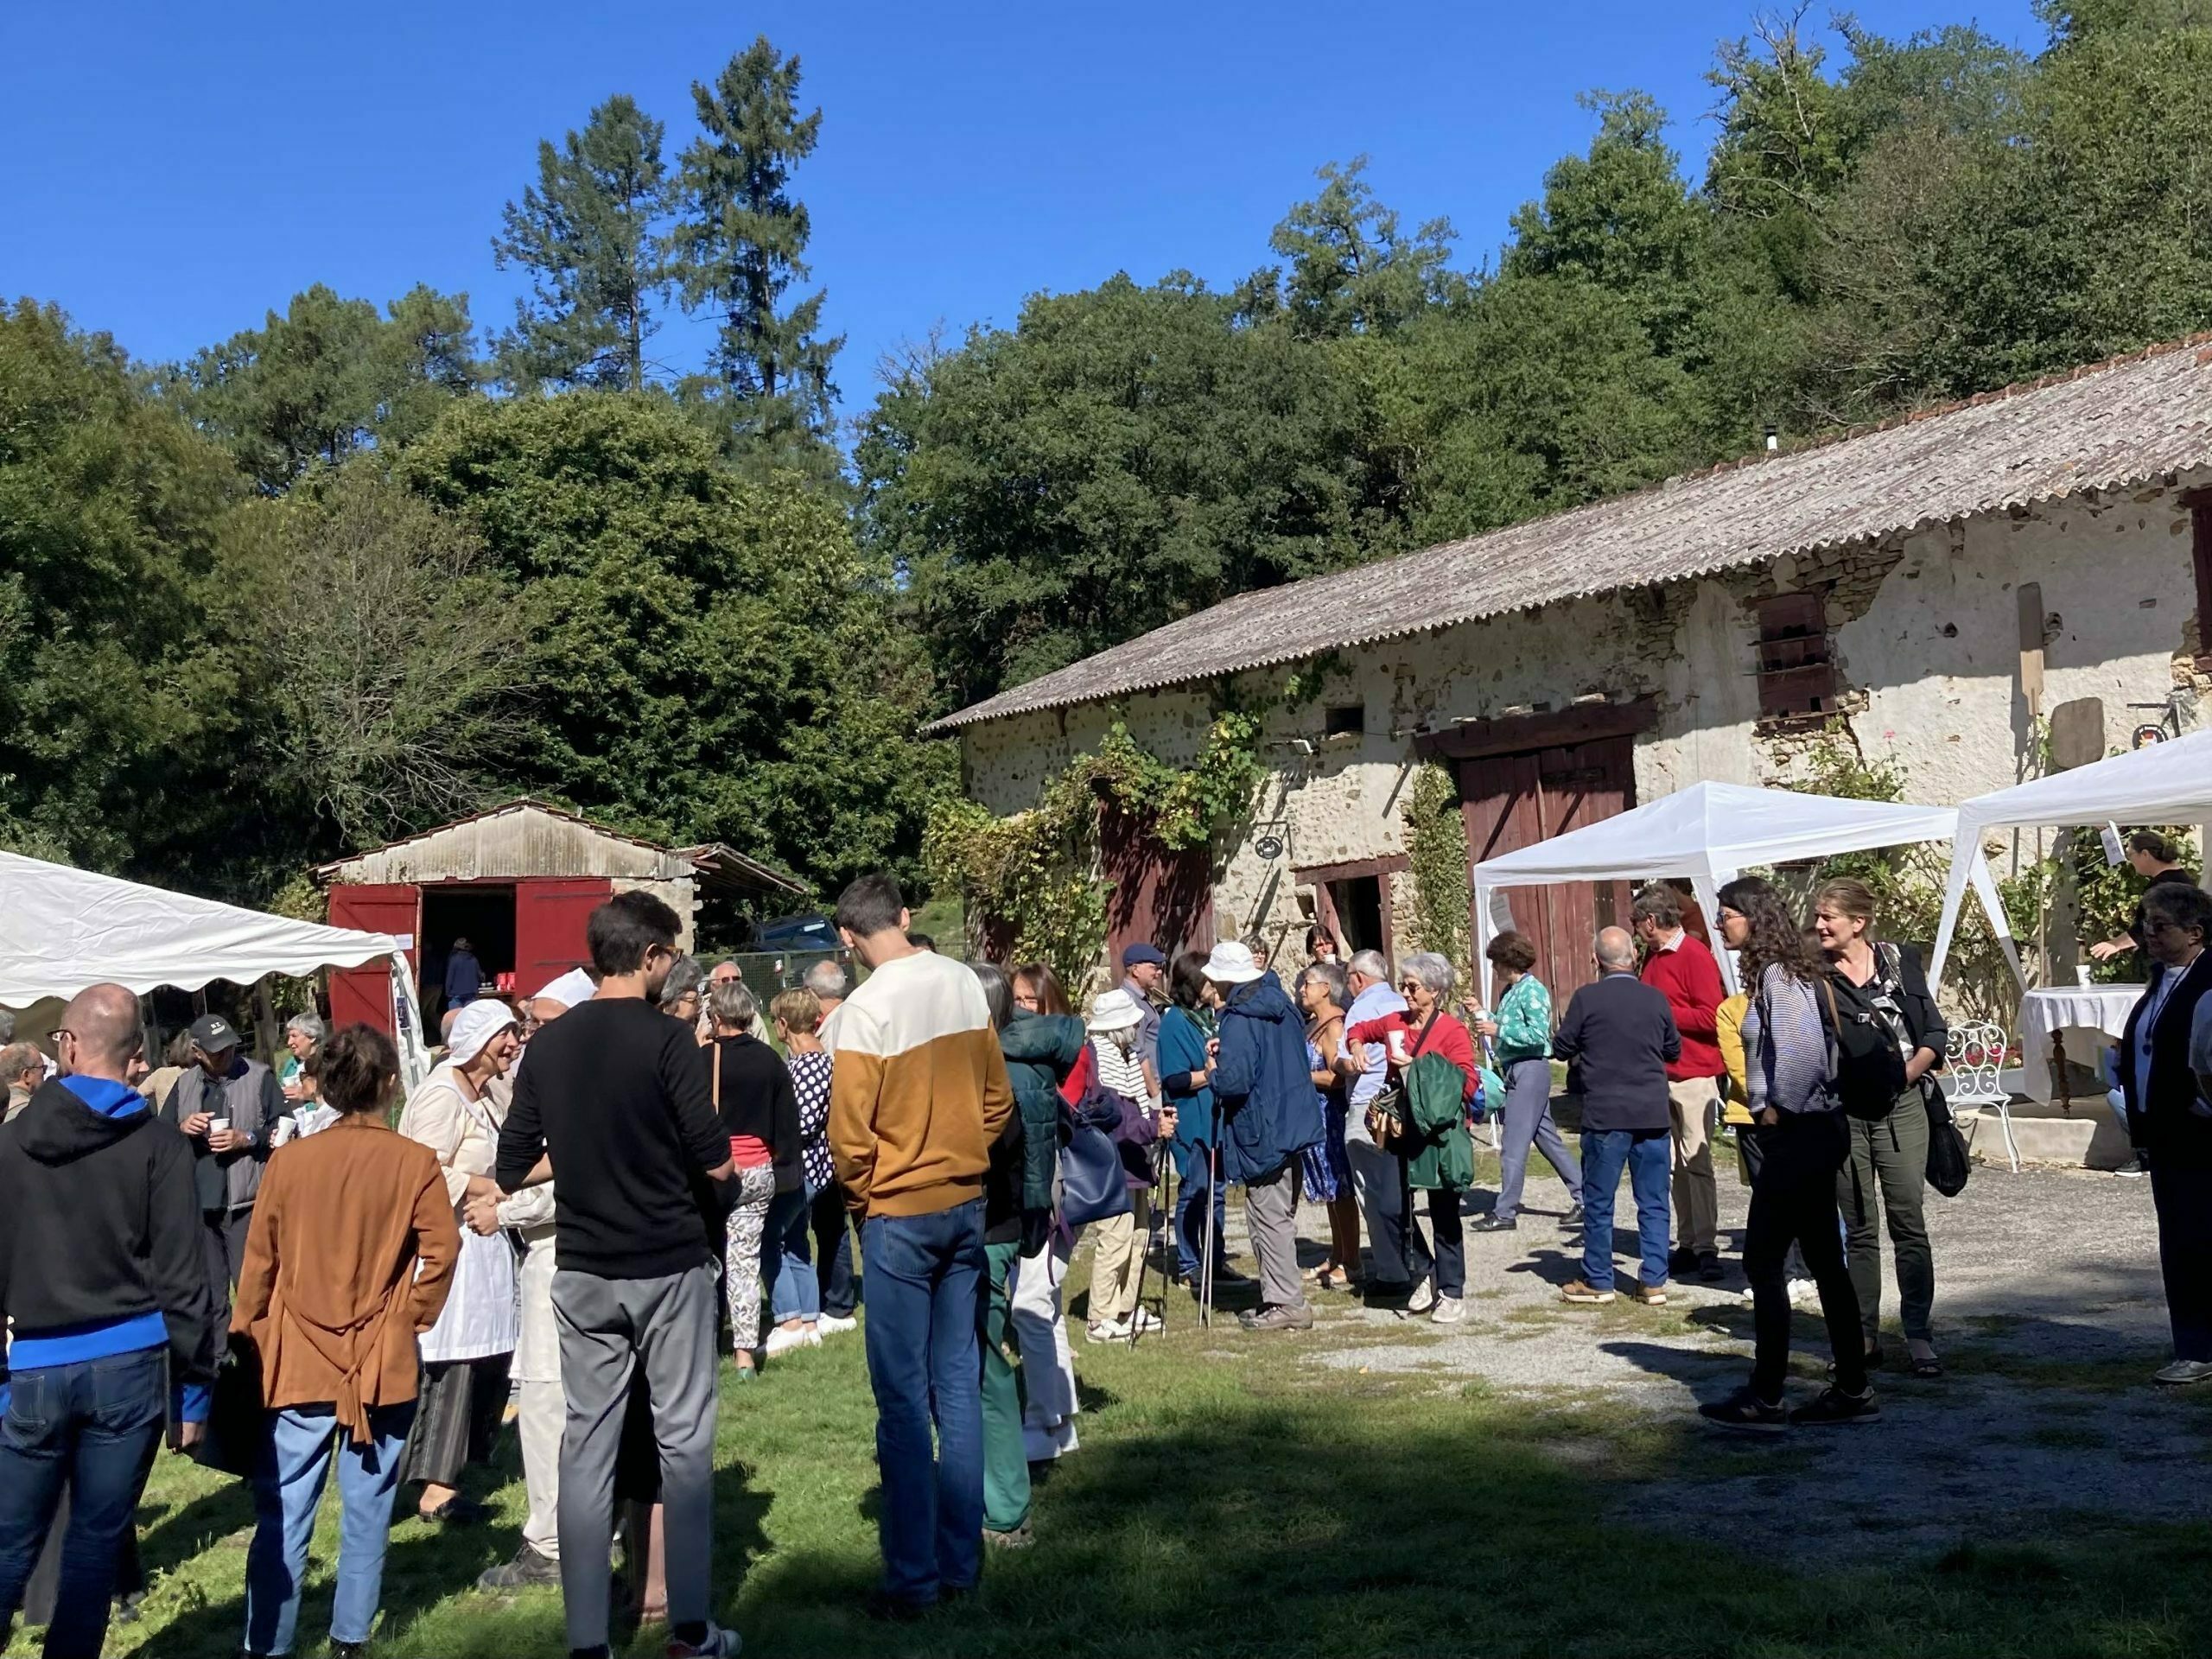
x=1973, y=1057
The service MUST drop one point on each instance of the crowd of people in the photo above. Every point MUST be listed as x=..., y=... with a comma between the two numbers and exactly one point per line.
x=596, y=1196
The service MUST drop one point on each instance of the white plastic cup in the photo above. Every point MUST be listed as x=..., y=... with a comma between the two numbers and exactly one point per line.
x=2081, y=973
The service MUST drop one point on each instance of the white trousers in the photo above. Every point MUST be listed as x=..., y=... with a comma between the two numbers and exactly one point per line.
x=1040, y=1330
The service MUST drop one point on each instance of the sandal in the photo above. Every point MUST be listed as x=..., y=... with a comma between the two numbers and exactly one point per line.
x=1929, y=1368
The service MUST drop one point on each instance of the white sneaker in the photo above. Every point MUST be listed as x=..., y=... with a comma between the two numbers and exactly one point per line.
x=1803, y=1293
x=1111, y=1330
x=830, y=1324
x=2183, y=1370
x=1748, y=1294
x=785, y=1338
x=1144, y=1322
x=1423, y=1299
x=717, y=1643
x=1450, y=1310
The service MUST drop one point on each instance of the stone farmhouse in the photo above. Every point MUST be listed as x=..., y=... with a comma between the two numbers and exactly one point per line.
x=1939, y=585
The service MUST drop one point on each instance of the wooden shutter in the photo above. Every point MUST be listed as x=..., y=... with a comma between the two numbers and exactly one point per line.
x=364, y=994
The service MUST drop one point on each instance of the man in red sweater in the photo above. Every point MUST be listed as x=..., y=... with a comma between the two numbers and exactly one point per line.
x=1682, y=967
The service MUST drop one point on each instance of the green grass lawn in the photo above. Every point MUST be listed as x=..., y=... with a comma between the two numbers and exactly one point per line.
x=1233, y=1495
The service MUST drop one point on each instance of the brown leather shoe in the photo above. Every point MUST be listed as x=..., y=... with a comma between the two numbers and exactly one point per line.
x=1578, y=1290
x=1650, y=1295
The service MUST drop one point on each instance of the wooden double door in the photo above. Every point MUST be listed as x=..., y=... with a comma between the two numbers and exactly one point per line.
x=1513, y=800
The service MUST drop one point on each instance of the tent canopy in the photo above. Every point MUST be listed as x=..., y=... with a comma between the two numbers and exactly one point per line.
x=2166, y=783
x=61, y=930
x=1709, y=833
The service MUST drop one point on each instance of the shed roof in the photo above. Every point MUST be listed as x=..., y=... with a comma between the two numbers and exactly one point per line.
x=2106, y=426
x=526, y=837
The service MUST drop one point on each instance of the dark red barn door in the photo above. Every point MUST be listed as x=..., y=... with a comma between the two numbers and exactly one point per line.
x=364, y=994
x=1160, y=897
x=550, y=918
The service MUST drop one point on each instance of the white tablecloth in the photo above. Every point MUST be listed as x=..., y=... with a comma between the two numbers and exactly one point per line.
x=2099, y=1011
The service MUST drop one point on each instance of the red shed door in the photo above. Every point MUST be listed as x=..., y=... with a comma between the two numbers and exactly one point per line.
x=1160, y=897
x=550, y=918
x=1509, y=801
x=364, y=994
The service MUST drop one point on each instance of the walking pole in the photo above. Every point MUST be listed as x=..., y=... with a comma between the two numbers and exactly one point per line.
x=1157, y=1194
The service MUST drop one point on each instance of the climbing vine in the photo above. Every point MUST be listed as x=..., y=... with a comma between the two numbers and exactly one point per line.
x=1436, y=854
x=1036, y=872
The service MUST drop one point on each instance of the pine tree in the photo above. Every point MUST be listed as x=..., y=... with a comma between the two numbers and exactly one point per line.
x=742, y=243
x=588, y=233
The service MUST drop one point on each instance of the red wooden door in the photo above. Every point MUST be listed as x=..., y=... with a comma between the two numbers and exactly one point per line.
x=1511, y=801
x=1158, y=897
x=364, y=994
x=550, y=918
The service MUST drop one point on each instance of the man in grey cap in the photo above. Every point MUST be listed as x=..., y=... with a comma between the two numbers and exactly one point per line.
x=1143, y=967
x=227, y=1106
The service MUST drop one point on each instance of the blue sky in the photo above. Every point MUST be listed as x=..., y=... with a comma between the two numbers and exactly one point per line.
x=182, y=168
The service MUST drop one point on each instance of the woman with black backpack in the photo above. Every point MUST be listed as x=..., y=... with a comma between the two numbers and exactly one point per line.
x=1889, y=1036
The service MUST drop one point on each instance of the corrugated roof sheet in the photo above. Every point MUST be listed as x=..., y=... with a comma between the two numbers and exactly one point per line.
x=2104, y=427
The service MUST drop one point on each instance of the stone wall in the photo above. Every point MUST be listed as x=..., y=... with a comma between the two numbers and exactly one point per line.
x=1925, y=634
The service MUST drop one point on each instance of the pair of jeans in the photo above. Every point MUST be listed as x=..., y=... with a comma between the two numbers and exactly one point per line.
x=1793, y=1201
x=1529, y=1123
x=1006, y=1457
x=796, y=1293
x=288, y=1483
x=2182, y=1199
x=927, y=1277
x=95, y=1424
x=1647, y=1156
x=833, y=1251
x=1190, y=1207
x=1890, y=1154
x=1399, y=1240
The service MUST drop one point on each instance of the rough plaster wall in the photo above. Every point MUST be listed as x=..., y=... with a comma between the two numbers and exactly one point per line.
x=1926, y=636
x=680, y=895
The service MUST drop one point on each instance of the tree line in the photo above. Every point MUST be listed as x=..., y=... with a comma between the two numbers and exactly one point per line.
x=366, y=565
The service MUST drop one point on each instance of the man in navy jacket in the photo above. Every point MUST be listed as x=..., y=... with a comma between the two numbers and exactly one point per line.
x=1618, y=1039
x=1270, y=1113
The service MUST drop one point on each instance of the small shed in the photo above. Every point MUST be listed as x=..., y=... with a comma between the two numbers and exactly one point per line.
x=518, y=881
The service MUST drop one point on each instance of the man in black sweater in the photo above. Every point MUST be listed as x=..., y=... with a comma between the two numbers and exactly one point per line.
x=101, y=1273
x=613, y=1105
x=1617, y=1039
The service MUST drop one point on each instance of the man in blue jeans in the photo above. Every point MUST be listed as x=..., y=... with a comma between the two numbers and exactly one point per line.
x=918, y=1094
x=103, y=1274
x=1617, y=1039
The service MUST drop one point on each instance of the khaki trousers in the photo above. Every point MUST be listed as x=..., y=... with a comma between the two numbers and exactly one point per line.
x=1119, y=1247
x=1697, y=1200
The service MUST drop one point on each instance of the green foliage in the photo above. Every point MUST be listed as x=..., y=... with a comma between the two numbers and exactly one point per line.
x=588, y=233
x=741, y=244
x=1035, y=872
x=329, y=378
x=1436, y=854
x=2107, y=894
x=707, y=660
x=1351, y=270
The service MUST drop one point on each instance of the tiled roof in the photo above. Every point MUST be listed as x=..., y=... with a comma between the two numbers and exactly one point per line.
x=2106, y=426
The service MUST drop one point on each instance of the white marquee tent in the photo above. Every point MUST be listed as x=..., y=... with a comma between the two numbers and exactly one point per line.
x=2166, y=783
x=63, y=928
x=1710, y=834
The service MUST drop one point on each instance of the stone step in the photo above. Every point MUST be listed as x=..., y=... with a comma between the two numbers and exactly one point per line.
x=2088, y=1138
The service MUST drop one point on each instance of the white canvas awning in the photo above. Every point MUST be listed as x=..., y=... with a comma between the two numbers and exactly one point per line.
x=1709, y=834
x=2166, y=783
x=63, y=928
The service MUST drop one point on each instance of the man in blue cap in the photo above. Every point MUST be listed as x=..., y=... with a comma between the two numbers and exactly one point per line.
x=1143, y=966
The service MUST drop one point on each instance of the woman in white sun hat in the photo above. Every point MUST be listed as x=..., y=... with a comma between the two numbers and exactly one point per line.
x=1115, y=1315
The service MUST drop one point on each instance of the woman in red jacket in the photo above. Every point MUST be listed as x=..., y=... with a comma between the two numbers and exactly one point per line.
x=1425, y=981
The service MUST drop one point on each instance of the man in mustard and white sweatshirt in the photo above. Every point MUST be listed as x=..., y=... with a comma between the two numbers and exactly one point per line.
x=918, y=1095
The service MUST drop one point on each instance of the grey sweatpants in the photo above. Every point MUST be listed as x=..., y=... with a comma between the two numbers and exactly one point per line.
x=1271, y=1217
x=1529, y=1123
x=608, y=1328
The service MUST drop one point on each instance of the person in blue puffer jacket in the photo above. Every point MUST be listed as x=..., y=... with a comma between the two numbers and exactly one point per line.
x=1269, y=1114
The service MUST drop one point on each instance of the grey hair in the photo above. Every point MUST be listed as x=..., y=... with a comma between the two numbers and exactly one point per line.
x=1369, y=963
x=1331, y=974
x=826, y=978
x=7, y=1026
x=309, y=1025
x=684, y=975
x=1616, y=948
x=1434, y=972
x=19, y=1063
x=733, y=1004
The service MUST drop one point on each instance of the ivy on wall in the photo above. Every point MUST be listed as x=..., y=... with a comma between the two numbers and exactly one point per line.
x=1436, y=856
x=1036, y=872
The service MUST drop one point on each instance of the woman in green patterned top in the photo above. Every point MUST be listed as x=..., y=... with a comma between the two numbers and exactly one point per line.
x=1520, y=1030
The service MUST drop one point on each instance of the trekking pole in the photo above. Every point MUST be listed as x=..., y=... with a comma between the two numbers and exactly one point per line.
x=1154, y=1196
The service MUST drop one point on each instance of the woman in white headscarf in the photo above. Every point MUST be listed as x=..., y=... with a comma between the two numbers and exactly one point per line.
x=457, y=1113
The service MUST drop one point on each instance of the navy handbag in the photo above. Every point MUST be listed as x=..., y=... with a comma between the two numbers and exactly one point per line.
x=1094, y=1185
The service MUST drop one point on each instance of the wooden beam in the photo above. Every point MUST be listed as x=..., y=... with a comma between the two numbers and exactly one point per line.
x=1581, y=723
x=1320, y=875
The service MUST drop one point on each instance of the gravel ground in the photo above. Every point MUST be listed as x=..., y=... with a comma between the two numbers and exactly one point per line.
x=2048, y=1311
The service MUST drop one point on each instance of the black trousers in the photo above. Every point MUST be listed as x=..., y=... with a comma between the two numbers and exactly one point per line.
x=2184, y=1199
x=1402, y=1242
x=832, y=1227
x=1793, y=1201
